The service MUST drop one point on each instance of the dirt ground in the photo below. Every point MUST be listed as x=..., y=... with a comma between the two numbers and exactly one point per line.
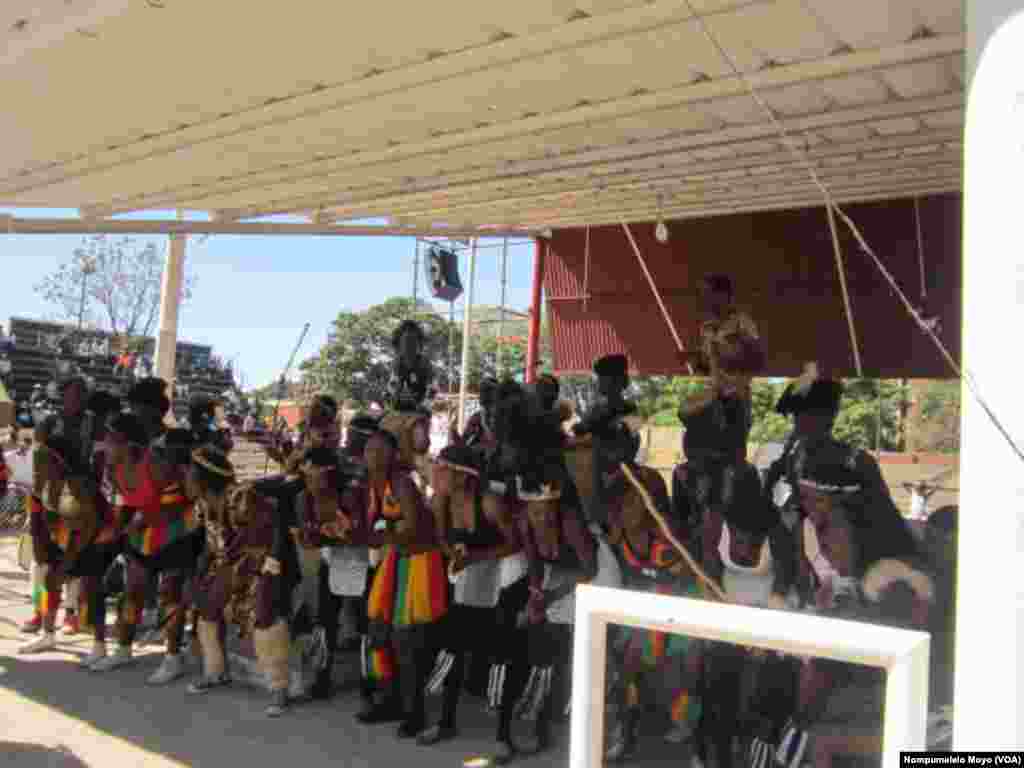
x=53, y=714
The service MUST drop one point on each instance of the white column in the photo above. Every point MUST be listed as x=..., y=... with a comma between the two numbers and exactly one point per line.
x=170, y=298
x=466, y=332
x=990, y=590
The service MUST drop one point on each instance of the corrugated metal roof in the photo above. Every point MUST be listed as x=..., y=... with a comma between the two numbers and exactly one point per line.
x=784, y=269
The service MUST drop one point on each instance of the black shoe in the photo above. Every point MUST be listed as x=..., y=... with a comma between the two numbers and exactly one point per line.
x=322, y=690
x=541, y=740
x=506, y=753
x=436, y=735
x=278, y=704
x=352, y=645
x=409, y=729
x=380, y=713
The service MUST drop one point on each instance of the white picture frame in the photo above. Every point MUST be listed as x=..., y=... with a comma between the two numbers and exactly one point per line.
x=902, y=653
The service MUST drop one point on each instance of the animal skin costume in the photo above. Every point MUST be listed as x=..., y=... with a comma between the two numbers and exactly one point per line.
x=248, y=572
x=72, y=526
x=605, y=422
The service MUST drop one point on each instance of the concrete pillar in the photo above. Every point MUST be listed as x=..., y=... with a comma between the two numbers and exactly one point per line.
x=170, y=300
x=989, y=690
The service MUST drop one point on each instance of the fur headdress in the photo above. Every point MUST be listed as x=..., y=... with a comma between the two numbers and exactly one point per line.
x=810, y=392
x=881, y=576
x=615, y=366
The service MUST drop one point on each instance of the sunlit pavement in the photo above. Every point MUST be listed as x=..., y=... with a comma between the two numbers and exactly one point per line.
x=53, y=714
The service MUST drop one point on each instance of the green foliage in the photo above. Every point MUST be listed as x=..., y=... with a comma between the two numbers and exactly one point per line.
x=873, y=414
x=489, y=358
x=355, y=365
x=356, y=361
x=939, y=426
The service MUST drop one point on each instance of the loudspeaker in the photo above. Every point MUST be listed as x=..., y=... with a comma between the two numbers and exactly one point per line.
x=442, y=268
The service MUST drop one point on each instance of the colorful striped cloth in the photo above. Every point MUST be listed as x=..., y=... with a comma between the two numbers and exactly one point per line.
x=57, y=527
x=652, y=646
x=378, y=663
x=45, y=601
x=409, y=590
x=179, y=521
x=686, y=708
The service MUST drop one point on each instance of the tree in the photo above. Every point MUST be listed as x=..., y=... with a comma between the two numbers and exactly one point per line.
x=938, y=426
x=871, y=414
x=111, y=284
x=356, y=361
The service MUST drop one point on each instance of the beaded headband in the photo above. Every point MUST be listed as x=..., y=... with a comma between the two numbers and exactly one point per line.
x=825, y=488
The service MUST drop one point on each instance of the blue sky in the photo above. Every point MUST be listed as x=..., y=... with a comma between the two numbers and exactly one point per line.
x=254, y=293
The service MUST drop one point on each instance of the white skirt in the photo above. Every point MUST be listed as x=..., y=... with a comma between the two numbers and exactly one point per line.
x=480, y=585
x=609, y=574
x=348, y=569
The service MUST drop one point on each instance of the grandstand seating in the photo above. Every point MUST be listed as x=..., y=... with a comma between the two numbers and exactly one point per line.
x=41, y=347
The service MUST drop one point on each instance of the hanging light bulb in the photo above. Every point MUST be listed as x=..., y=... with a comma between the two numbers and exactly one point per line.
x=661, y=230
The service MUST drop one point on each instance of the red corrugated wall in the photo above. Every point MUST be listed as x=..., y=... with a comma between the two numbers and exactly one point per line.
x=784, y=268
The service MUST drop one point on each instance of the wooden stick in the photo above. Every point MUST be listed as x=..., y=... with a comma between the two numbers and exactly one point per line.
x=439, y=462
x=667, y=531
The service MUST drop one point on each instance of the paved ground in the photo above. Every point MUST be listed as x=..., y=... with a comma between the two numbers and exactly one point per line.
x=55, y=715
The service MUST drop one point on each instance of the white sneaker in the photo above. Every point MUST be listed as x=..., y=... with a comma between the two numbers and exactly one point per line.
x=99, y=651
x=171, y=668
x=119, y=658
x=45, y=642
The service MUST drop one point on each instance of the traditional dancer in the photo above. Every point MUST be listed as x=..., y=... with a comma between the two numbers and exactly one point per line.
x=347, y=574
x=561, y=553
x=248, y=580
x=861, y=562
x=813, y=403
x=664, y=666
x=413, y=373
x=750, y=552
x=604, y=422
x=481, y=542
x=202, y=414
x=730, y=351
x=63, y=460
x=547, y=389
x=322, y=429
x=479, y=431
x=161, y=538
x=410, y=590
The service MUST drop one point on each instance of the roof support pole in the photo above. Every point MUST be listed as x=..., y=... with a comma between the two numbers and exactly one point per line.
x=467, y=330
x=501, y=312
x=170, y=300
x=990, y=604
x=536, y=293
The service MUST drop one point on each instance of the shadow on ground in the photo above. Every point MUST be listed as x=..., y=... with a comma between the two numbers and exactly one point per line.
x=228, y=727
x=223, y=728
